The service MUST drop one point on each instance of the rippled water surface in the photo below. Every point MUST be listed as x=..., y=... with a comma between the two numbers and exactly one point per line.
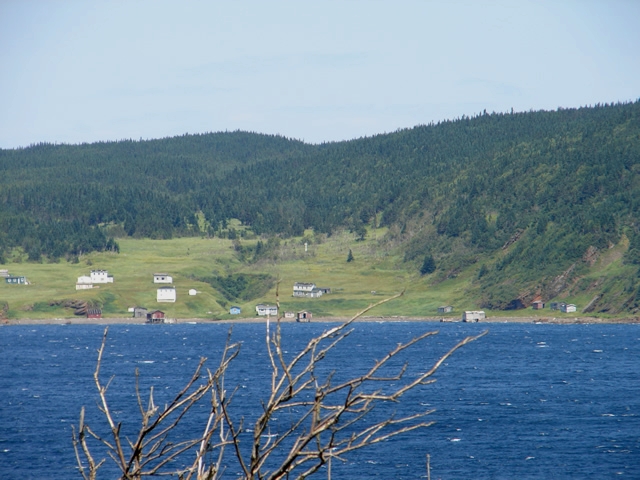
x=525, y=401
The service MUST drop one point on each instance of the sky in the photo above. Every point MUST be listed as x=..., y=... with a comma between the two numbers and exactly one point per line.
x=319, y=71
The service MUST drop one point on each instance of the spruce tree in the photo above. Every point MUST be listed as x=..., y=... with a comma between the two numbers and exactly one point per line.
x=428, y=266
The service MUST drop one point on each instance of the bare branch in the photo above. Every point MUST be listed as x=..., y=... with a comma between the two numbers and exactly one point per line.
x=331, y=418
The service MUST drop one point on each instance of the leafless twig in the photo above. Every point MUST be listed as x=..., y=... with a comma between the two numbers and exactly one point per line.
x=332, y=418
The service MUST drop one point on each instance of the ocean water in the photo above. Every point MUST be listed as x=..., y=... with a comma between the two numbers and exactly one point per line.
x=524, y=401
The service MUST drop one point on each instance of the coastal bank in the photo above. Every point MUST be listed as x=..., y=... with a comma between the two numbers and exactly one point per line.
x=439, y=319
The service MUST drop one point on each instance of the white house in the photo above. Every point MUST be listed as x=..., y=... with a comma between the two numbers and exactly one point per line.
x=100, y=276
x=20, y=279
x=473, y=316
x=166, y=294
x=162, y=278
x=84, y=283
x=302, y=289
x=262, y=309
x=306, y=290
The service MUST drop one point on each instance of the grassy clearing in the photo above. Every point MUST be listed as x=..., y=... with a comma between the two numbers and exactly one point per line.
x=375, y=273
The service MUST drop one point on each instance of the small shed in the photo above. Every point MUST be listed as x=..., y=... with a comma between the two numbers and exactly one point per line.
x=445, y=309
x=554, y=306
x=567, y=308
x=156, y=316
x=235, y=310
x=289, y=315
x=473, y=316
x=193, y=292
x=537, y=305
x=303, y=317
x=94, y=313
x=4, y=273
x=139, y=312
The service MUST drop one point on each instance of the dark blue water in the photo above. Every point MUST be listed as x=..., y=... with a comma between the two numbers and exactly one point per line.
x=525, y=401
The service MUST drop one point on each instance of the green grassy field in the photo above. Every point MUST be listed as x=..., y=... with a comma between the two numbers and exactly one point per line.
x=377, y=272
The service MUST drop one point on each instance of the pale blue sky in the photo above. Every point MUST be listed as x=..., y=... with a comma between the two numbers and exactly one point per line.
x=84, y=71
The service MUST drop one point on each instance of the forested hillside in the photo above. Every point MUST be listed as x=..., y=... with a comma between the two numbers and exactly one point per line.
x=54, y=197
x=528, y=199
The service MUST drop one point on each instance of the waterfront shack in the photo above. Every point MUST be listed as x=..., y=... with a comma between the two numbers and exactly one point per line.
x=140, y=312
x=473, y=316
x=155, y=317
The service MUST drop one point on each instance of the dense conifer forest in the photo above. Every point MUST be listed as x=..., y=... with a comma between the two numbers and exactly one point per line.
x=530, y=198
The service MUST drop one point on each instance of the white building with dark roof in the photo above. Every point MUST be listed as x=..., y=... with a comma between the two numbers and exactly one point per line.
x=100, y=276
x=262, y=310
x=162, y=278
x=306, y=290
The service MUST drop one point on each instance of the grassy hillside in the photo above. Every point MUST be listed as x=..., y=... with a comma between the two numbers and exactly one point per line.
x=377, y=271
x=509, y=207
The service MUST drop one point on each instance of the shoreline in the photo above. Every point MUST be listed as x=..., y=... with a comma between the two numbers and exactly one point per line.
x=377, y=319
